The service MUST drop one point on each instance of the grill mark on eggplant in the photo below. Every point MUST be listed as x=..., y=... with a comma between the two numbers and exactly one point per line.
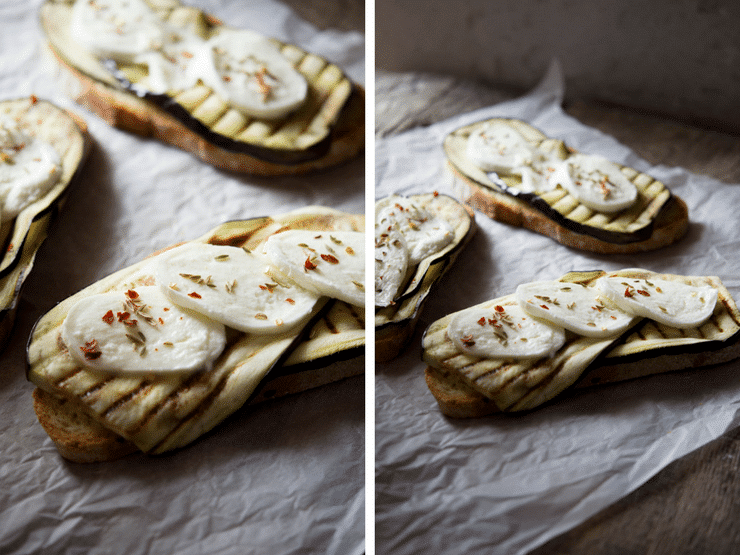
x=359, y=319
x=95, y=388
x=60, y=382
x=140, y=389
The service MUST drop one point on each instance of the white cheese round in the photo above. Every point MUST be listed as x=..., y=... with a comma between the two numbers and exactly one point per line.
x=499, y=148
x=596, y=182
x=504, y=332
x=582, y=310
x=117, y=29
x=424, y=233
x=29, y=168
x=672, y=303
x=140, y=330
x=391, y=264
x=249, y=72
x=233, y=287
x=330, y=263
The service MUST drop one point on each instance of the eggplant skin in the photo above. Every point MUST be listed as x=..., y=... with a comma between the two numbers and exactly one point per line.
x=395, y=325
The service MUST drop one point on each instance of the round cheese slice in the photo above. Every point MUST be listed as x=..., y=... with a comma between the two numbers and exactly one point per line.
x=234, y=287
x=29, y=168
x=424, y=233
x=672, y=303
x=140, y=330
x=499, y=148
x=117, y=29
x=391, y=263
x=330, y=263
x=574, y=307
x=596, y=182
x=249, y=72
x=504, y=332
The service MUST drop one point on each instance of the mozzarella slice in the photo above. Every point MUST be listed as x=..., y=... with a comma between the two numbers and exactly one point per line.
x=176, y=64
x=499, y=148
x=248, y=71
x=117, y=29
x=232, y=286
x=596, y=182
x=330, y=263
x=575, y=307
x=672, y=303
x=503, y=332
x=425, y=234
x=140, y=331
x=391, y=264
x=29, y=168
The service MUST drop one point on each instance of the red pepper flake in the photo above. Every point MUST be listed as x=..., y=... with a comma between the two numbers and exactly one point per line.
x=308, y=264
x=131, y=294
x=166, y=309
x=91, y=350
x=194, y=295
x=330, y=258
x=627, y=292
x=161, y=321
x=482, y=321
x=435, y=193
x=131, y=323
x=643, y=293
x=186, y=54
x=10, y=247
x=499, y=308
x=544, y=306
x=289, y=300
x=123, y=316
x=108, y=317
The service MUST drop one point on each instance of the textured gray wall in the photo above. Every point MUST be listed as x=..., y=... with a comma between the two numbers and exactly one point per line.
x=677, y=57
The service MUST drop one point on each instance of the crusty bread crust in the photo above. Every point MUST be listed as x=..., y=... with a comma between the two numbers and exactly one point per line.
x=671, y=223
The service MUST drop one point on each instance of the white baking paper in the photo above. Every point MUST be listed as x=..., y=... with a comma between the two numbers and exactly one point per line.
x=506, y=484
x=285, y=477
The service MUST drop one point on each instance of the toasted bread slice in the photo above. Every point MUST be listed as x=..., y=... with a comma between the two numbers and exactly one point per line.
x=159, y=413
x=459, y=382
x=395, y=324
x=657, y=218
x=22, y=236
x=327, y=130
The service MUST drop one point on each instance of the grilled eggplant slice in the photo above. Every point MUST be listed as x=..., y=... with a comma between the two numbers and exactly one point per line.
x=22, y=236
x=466, y=386
x=326, y=130
x=656, y=219
x=161, y=413
x=395, y=324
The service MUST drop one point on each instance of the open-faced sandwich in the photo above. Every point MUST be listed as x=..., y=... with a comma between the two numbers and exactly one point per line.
x=515, y=174
x=157, y=354
x=42, y=149
x=236, y=99
x=417, y=238
x=516, y=352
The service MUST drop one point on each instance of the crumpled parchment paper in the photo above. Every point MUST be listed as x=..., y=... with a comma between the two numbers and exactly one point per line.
x=506, y=484
x=285, y=477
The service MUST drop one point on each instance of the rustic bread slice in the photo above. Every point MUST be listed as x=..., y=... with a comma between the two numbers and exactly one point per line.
x=327, y=130
x=648, y=348
x=657, y=219
x=395, y=324
x=158, y=413
x=22, y=236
